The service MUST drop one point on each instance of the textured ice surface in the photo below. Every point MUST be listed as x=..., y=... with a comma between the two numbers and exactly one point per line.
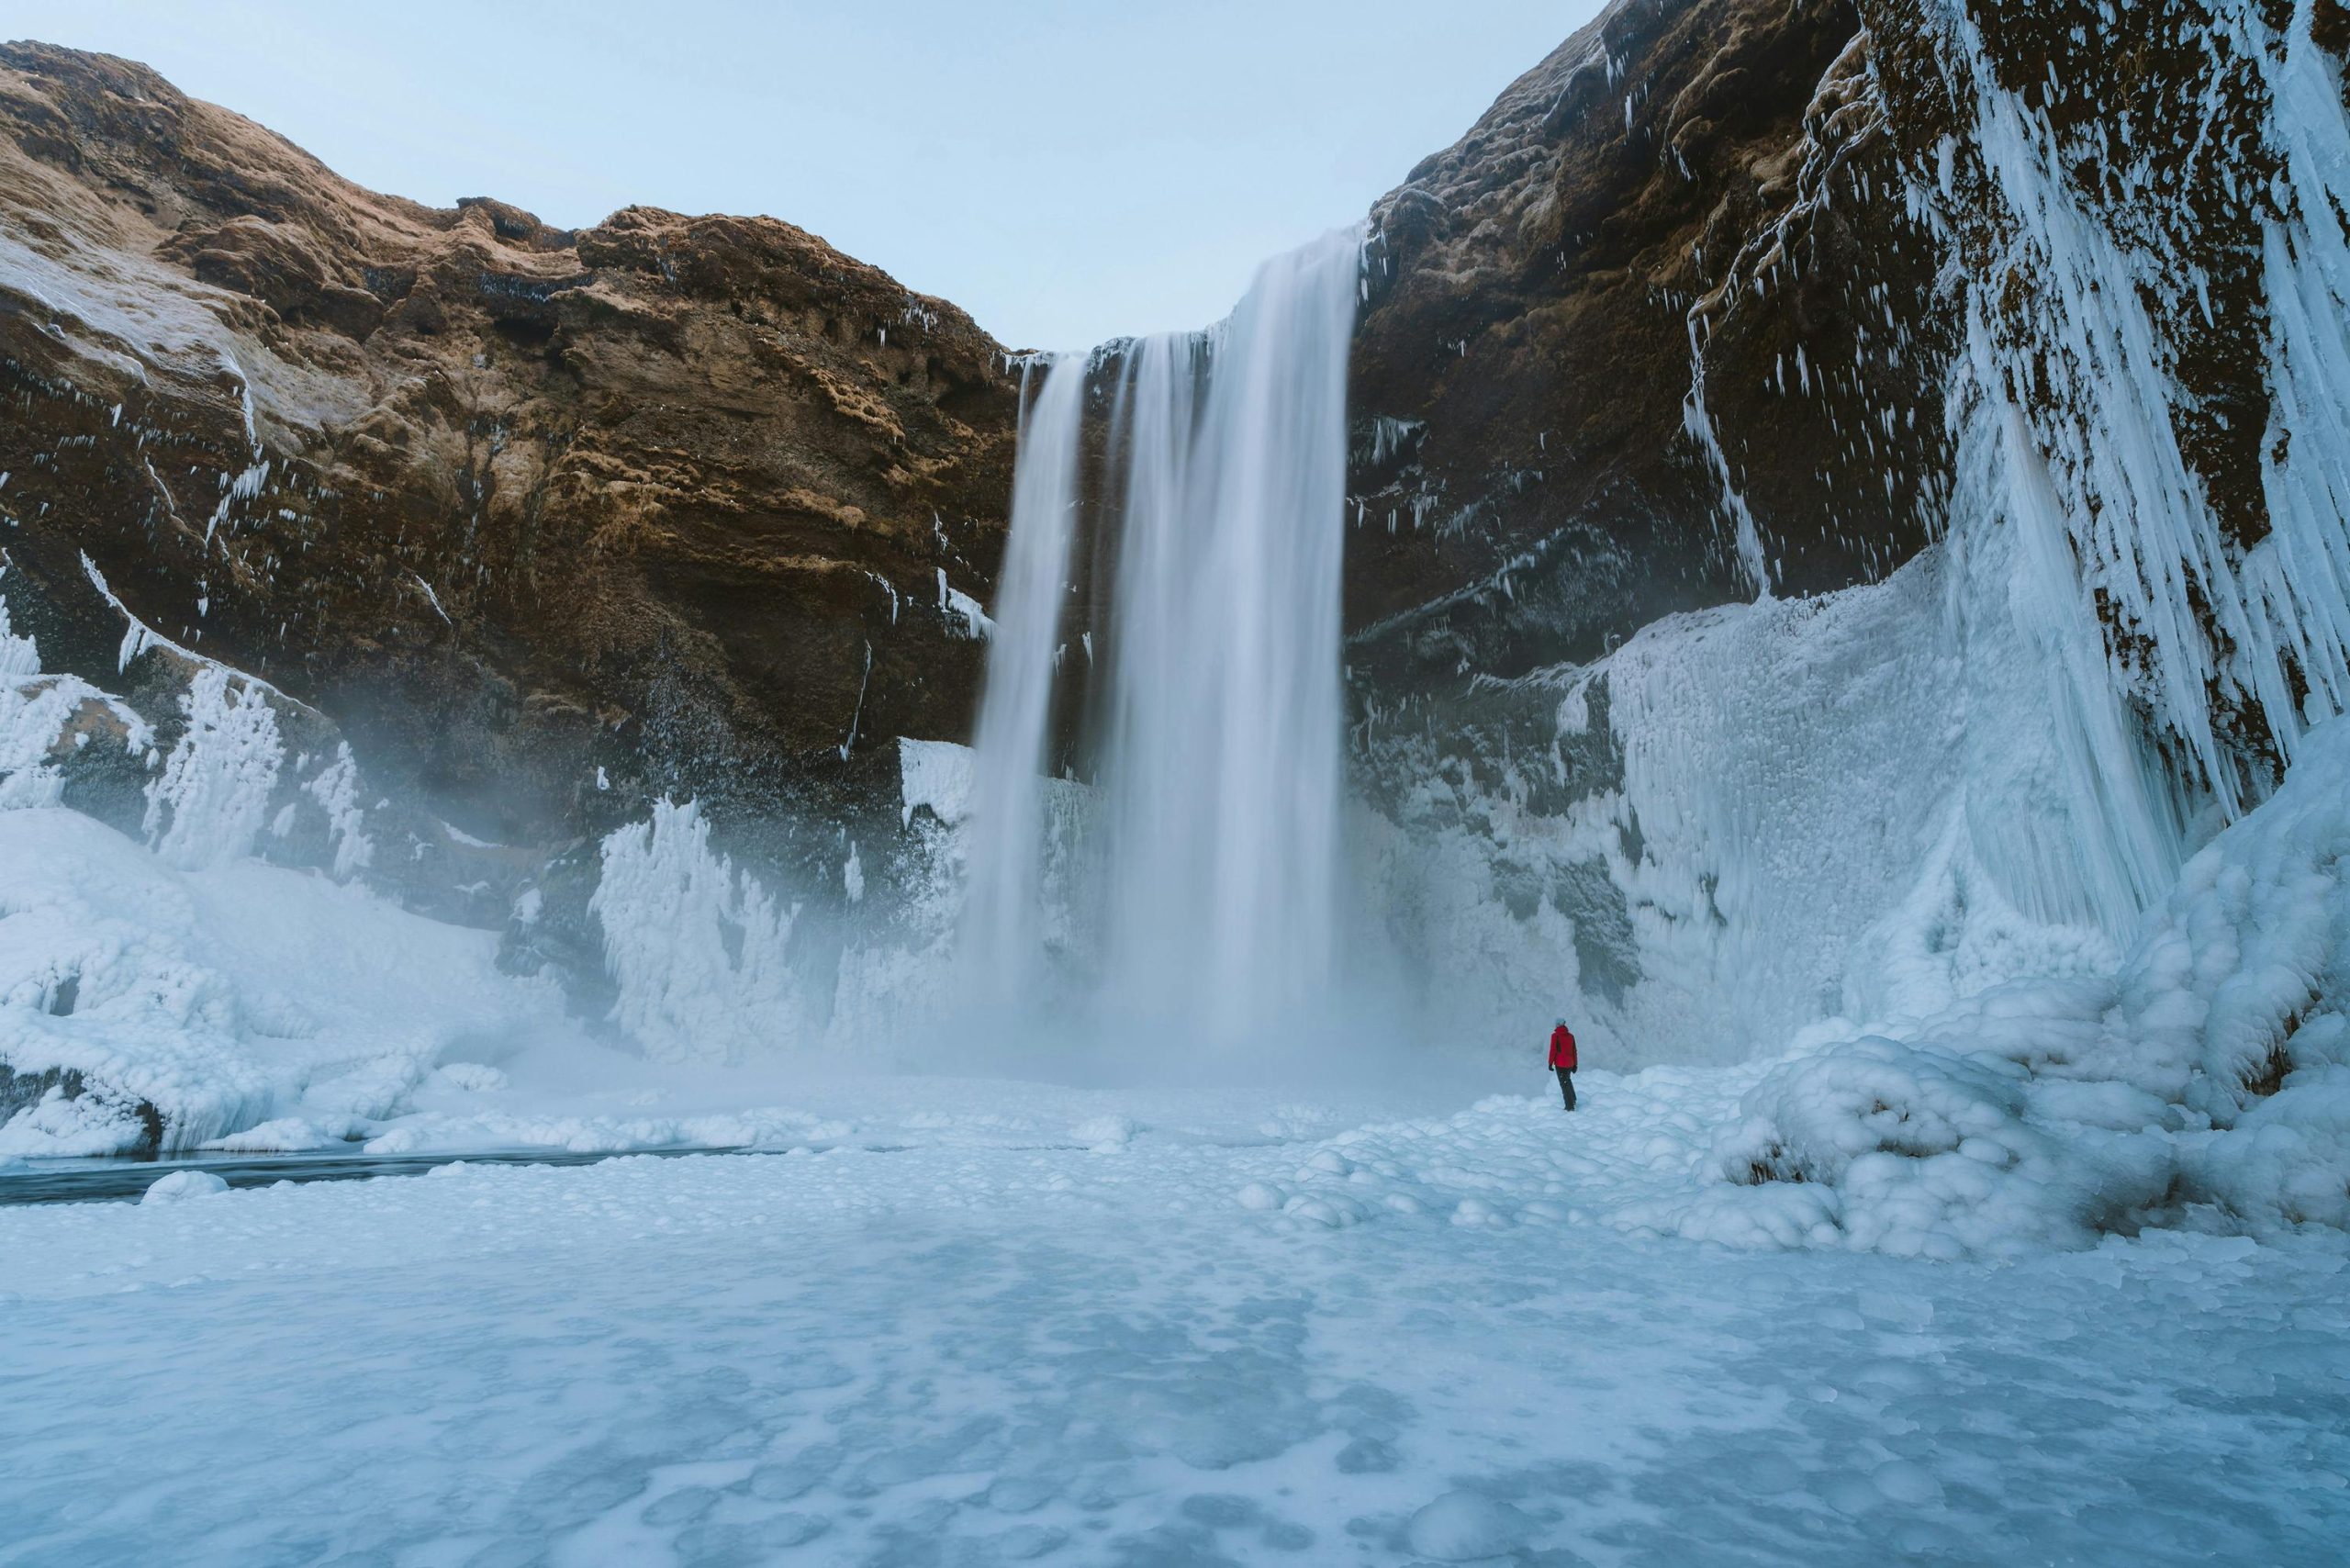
x=978, y=1354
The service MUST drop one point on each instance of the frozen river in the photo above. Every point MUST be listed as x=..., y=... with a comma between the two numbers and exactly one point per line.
x=1420, y=1343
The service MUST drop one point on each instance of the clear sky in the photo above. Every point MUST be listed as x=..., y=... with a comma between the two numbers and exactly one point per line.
x=1064, y=170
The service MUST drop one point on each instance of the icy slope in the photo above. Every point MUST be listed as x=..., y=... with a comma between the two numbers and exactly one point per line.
x=2198, y=1078
x=142, y=1003
x=158, y=995
x=2206, y=1082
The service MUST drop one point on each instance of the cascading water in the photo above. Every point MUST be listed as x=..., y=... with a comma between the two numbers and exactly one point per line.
x=1224, y=753
x=1220, y=766
x=1003, y=918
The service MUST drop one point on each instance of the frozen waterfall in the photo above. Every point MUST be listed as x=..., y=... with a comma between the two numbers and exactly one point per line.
x=1221, y=535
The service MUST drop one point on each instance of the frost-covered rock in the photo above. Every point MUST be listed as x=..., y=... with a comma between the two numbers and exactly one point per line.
x=696, y=946
x=2212, y=1073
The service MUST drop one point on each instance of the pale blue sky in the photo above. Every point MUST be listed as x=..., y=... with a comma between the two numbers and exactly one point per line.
x=1064, y=170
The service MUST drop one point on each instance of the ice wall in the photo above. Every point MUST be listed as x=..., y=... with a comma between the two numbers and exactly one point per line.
x=2078, y=232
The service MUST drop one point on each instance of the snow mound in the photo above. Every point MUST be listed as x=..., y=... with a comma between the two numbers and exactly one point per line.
x=1919, y=1150
x=2207, y=1081
x=288, y=1135
x=181, y=1185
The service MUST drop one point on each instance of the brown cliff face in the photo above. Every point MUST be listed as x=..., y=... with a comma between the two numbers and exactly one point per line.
x=670, y=496
x=1567, y=302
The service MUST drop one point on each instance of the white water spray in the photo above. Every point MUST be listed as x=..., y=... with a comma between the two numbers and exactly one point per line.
x=1221, y=761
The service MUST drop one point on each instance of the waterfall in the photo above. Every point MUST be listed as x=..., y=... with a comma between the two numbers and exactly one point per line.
x=1002, y=913
x=1223, y=760
x=1222, y=718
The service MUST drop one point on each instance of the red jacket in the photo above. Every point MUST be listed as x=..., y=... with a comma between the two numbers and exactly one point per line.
x=1562, y=1048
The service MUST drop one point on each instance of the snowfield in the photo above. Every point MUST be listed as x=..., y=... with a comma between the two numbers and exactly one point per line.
x=2056, y=1273
x=1153, y=1349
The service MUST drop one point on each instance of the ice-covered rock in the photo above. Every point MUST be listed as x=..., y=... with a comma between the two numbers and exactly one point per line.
x=162, y=1007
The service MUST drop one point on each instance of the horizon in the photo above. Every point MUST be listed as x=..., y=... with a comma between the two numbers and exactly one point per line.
x=1180, y=164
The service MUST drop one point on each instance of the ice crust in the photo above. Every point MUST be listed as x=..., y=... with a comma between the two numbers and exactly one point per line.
x=987, y=1344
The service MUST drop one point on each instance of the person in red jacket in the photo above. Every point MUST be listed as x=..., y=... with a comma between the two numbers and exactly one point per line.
x=1562, y=1060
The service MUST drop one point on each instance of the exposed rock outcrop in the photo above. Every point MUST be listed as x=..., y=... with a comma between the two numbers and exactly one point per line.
x=546, y=524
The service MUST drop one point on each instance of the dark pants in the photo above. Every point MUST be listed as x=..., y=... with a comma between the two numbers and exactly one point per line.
x=1566, y=1086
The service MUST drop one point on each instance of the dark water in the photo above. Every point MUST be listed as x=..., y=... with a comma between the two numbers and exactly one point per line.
x=99, y=1181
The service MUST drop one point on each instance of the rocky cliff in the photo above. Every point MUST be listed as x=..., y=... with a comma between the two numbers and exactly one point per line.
x=1679, y=321
x=1813, y=455
x=543, y=524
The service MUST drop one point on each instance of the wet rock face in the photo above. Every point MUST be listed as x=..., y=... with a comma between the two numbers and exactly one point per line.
x=1675, y=249
x=669, y=497
x=1682, y=315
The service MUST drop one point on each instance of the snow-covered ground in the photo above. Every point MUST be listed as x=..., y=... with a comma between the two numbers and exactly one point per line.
x=1150, y=1347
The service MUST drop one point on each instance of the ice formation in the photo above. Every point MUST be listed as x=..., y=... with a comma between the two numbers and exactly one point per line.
x=162, y=995
x=145, y=1004
x=2060, y=331
x=696, y=946
x=212, y=797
